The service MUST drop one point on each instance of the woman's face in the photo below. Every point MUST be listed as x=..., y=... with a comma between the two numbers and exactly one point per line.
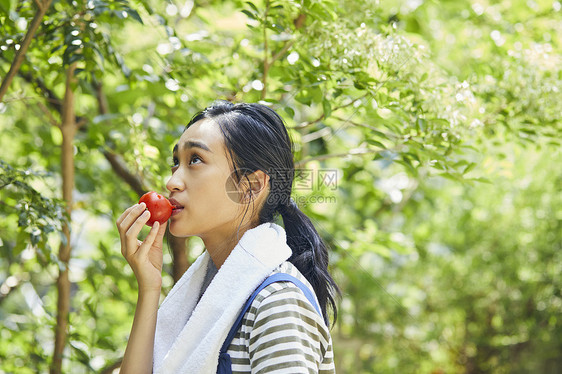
x=201, y=183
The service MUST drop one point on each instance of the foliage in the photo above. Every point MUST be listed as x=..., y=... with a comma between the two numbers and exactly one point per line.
x=470, y=283
x=401, y=111
x=38, y=216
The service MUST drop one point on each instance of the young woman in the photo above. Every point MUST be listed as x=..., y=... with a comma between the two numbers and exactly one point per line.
x=232, y=176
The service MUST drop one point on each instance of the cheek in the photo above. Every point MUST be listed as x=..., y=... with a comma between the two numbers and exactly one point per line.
x=215, y=197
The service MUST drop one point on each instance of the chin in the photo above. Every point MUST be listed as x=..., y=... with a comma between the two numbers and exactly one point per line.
x=180, y=229
x=175, y=228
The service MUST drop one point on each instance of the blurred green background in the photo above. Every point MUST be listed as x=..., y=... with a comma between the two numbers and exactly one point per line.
x=427, y=139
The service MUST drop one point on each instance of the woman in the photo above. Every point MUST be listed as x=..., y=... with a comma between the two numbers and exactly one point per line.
x=232, y=175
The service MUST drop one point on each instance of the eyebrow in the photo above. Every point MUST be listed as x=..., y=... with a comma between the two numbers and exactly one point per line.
x=192, y=144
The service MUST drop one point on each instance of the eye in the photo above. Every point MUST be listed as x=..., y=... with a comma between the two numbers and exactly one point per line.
x=176, y=161
x=195, y=157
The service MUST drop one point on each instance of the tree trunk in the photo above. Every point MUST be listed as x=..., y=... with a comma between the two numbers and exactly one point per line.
x=68, y=129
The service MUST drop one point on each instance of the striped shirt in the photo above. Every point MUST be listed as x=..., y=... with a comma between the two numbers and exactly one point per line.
x=282, y=332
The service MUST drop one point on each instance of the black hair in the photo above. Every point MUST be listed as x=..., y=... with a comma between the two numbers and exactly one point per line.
x=257, y=139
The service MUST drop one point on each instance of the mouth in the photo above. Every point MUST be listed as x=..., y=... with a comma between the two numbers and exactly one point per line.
x=177, y=207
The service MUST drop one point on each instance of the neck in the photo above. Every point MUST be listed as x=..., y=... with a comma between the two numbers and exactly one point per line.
x=220, y=245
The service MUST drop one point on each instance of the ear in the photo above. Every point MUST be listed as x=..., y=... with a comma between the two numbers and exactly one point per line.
x=256, y=185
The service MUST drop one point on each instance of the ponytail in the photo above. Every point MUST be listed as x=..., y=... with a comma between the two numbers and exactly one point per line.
x=310, y=255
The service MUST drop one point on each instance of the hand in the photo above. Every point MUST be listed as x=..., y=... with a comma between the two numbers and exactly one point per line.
x=144, y=257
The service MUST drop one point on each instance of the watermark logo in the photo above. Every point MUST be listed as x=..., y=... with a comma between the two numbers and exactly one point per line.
x=315, y=179
x=313, y=184
x=328, y=178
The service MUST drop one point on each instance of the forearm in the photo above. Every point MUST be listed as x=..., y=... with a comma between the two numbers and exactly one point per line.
x=139, y=351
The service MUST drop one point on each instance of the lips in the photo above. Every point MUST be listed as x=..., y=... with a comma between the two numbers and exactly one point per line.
x=175, y=204
x=178, y=208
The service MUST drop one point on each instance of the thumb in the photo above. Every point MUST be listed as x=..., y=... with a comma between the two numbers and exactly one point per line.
x=161, y=232
x=149, y=240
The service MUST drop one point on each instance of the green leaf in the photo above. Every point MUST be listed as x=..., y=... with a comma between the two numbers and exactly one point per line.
x=469, y=167
x=413, y=156
x=376, y=143
x=327, y=107
x=359, y=85
x=250, y=14
x=290, y=111
x=7, y=5
x=81, y=355
x=134, y=15
x=303, y=97
x=253, y=6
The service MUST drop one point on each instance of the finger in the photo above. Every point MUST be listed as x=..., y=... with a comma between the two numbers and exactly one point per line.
x=132, y=217
x=161, y=232
x=125, y=213
x=159, y=240
x=133, y=214
x=134, y=231
x=149, y=240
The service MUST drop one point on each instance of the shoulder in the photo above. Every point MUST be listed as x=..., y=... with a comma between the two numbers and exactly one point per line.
x=286, y=293
x=283, y=332
x=283, y=306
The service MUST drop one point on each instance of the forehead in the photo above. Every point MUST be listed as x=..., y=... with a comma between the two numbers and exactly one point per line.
x=206, y=132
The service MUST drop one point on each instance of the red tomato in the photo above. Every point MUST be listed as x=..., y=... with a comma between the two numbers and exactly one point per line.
x=159, y=207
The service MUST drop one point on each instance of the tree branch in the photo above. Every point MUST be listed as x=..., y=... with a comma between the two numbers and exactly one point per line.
x=46, y=92
x=20, y=54
x=48, y=113
x=123, y=172
x=283, y=50
x=39, y=4
x=103, y=106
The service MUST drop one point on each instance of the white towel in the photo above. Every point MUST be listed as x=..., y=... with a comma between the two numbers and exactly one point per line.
x=189, y=335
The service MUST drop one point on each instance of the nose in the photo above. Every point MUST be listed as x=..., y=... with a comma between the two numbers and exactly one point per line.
x=175, y=183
